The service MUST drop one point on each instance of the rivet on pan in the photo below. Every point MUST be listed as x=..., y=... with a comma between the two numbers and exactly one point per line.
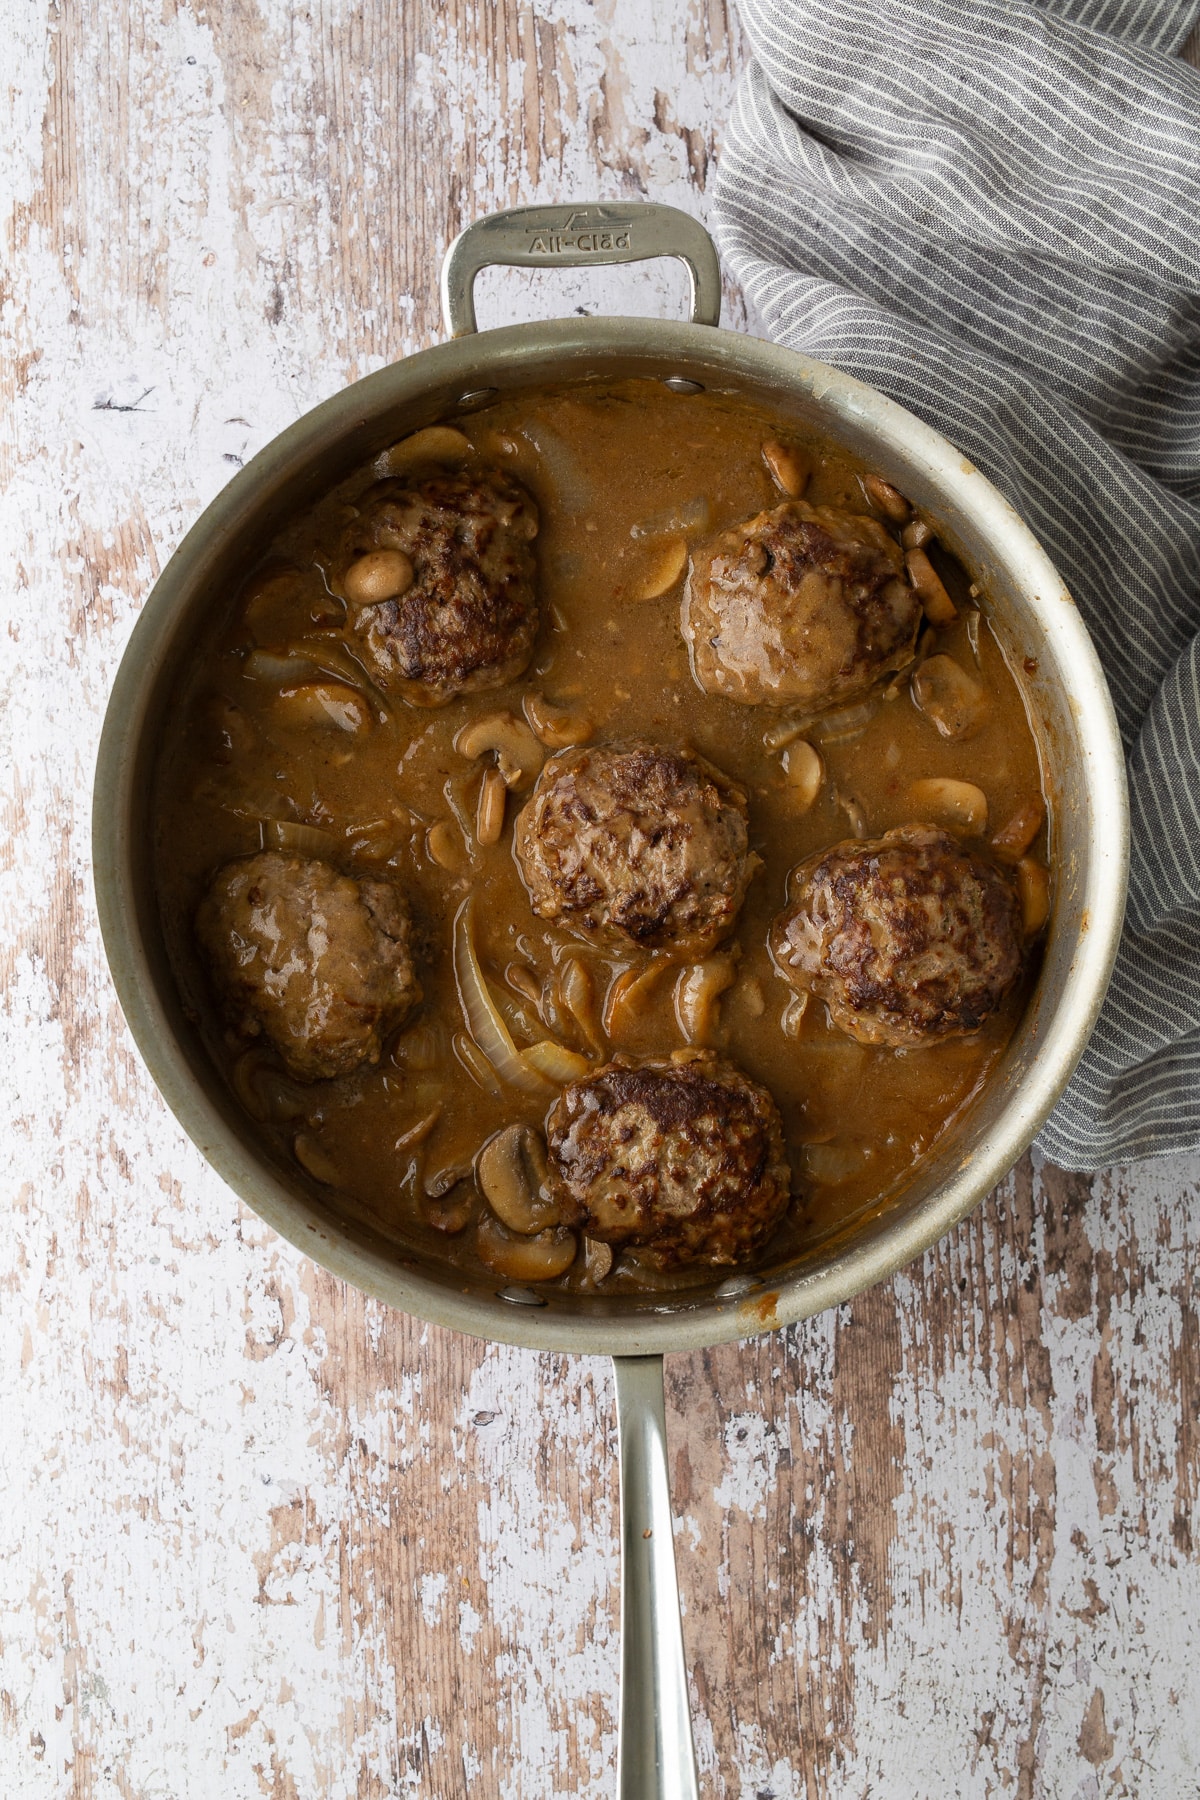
x=476, y=397
x=737, y=1285
x=682, y=384
x=520, y=1296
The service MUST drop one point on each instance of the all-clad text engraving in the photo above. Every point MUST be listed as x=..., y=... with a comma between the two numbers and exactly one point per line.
x=552, y=243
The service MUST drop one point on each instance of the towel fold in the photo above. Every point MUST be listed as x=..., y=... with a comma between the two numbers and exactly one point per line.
x=990, y=210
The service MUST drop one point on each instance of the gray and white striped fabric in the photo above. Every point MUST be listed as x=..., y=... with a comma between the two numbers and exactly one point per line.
x=990, y=210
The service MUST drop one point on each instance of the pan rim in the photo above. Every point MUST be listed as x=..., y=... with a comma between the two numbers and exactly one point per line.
x=345, y=1250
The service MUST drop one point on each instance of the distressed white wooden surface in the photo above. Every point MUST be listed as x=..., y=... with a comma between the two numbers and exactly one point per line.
x=258, y=1535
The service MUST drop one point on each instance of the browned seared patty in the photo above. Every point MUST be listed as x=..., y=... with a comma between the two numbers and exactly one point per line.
x=908, y=939
x=637, y=845
x=686, y=1157
x=316, y=961
x=803, y=605
x=470, y=617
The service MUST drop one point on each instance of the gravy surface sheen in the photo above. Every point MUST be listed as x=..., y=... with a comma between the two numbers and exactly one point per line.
x=622, y=475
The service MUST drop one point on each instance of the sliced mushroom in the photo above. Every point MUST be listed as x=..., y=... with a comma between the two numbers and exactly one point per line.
x=889, y=500
x=378, y=576
x=543, y=1257
x=324, y=703
x=805, y=770
x=489, y=813
x=513, y=1175
x=436, y=443
x=444, y=846
x=951, y=802
x=450, y=1213
x=664, y=571
x=789, y=470
x=1014, y=838
x=1033, y=885
x=319, y=1164
x=519, y=756
x=697, y=997
x=938, y=606
x=557, y=728
x=916, y=535
x=953, y=700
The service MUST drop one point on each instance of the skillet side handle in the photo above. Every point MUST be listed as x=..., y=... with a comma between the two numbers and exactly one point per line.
x=532, y=237
x=656, y=1758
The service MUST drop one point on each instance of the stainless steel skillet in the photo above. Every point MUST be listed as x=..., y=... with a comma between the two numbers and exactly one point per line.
x=1084, y=770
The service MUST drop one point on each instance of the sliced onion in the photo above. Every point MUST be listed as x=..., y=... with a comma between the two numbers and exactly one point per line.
x=846, y=722
x=416, y=1134
x=786, y=730
x=573, y=486
x=831, y=1164
x=476, y=1064
x=245, y=1086
x=330, y=655
x=1033, y=882
x=578, y=992
x=695, y=515
x=296, y=839
x=597, y=1261
x=697, y=997
x=555, y=1062
x=953, y=700
x=488, y=1030
x=280, y=670
x=628, y=994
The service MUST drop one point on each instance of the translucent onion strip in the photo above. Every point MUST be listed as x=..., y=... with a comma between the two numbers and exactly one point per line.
x=296, y=839
x=555, y=1062
x=484, y=1023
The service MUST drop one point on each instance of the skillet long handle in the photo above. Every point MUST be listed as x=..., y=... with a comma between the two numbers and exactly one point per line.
x=656, y=1759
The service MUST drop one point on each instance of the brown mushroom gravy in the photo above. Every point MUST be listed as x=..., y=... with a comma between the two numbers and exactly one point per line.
x=581, y=746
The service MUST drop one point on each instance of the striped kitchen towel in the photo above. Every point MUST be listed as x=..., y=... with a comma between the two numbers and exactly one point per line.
x=990, y=209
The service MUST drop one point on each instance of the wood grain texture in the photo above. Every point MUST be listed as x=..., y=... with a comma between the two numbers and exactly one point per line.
x=261, y=1536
